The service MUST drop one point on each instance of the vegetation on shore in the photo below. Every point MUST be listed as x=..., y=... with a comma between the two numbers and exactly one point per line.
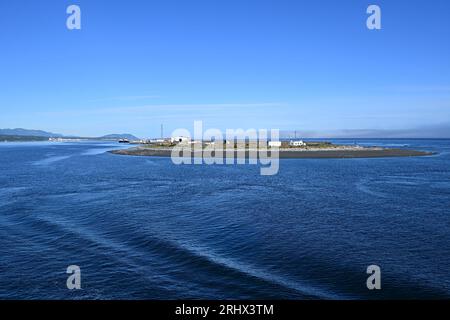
x=8, y=138
x=304, y=149
x=290, y=153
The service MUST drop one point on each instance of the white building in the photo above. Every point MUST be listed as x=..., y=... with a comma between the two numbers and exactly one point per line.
x=297, y=143
x=275, y=144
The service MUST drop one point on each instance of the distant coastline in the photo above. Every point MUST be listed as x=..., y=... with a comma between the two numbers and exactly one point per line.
x=12, y=138
x=27, y=135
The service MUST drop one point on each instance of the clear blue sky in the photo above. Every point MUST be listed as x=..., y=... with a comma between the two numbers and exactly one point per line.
x=305, y=65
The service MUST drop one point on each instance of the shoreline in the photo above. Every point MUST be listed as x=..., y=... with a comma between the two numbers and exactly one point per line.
x=335, y=153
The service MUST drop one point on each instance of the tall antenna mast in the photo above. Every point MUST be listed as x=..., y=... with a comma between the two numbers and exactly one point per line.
x=162, y=131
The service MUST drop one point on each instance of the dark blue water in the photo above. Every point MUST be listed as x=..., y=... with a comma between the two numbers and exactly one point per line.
x=143, y=228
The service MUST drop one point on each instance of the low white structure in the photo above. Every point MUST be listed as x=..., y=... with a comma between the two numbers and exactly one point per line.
x=180, y=139
x=275, y=144
x=297, y=143
x=156, y=140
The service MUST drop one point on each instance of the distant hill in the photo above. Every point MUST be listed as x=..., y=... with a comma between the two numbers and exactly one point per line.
x=28, y=133
x=120, y=136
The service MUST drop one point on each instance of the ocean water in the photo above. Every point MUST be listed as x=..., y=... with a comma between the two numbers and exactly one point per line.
x=143, y=228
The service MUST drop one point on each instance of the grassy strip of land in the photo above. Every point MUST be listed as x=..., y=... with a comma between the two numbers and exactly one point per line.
x=289, y=153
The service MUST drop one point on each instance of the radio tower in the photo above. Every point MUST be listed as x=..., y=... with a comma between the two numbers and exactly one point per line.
x=162, y=131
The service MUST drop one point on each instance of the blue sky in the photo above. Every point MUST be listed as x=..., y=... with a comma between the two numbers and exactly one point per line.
x=291, y=65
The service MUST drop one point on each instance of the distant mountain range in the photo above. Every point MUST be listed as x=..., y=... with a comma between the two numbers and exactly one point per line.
x=31, y=134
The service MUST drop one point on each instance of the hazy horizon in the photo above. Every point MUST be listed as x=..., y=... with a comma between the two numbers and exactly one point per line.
x=432, y=132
